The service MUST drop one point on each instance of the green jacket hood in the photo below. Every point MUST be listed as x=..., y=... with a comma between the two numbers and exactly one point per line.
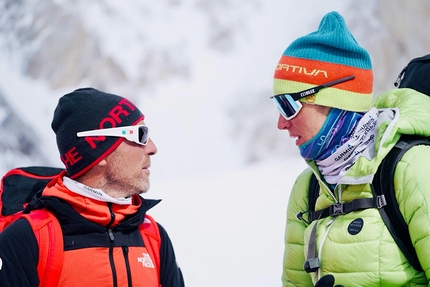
x=414, y=118
x=411, y=117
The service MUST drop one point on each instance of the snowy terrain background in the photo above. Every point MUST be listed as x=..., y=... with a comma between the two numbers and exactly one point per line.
x=201, y=71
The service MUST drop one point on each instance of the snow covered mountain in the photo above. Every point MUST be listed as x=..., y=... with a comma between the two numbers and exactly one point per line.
x=201, y=71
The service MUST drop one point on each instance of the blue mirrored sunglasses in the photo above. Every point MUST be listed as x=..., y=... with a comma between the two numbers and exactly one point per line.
x=289, y=105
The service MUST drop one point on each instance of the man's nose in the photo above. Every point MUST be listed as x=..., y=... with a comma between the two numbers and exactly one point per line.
x=150, y=147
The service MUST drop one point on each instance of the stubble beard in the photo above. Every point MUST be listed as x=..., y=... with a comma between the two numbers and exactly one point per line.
x=124, y=184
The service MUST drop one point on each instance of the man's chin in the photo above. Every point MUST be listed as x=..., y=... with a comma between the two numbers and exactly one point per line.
x=144, y=188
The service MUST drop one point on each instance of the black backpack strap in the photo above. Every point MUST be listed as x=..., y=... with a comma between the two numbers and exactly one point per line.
x=314, y=188
x=313, y=192
x=390, y=213
x=346, y=207
x=312, y=261
x=334, y=209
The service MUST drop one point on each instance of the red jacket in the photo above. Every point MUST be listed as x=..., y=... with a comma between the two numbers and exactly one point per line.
x=102, y=244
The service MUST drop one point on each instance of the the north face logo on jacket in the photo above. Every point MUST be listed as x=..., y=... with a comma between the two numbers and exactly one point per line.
x=146, y=260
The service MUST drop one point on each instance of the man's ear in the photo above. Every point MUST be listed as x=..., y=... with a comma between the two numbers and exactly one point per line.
x=102, y=163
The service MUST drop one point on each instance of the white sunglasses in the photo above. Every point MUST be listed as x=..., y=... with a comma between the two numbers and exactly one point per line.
x=289, y=105
x=138, y=134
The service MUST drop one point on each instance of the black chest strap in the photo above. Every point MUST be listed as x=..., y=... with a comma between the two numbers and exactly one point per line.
x=347, y=207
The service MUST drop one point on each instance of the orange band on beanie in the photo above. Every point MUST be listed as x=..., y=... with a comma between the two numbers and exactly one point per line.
x=317, y=72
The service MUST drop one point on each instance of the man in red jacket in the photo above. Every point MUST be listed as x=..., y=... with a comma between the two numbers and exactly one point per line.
x=104, y=144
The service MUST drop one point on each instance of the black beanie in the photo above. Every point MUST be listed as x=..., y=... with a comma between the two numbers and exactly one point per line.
x=84, y=110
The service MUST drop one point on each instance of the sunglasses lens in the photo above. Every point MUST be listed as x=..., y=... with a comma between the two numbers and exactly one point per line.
x=287, y=106
x=143, y=134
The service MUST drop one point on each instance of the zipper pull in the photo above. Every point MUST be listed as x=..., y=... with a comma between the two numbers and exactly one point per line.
x=111, y=236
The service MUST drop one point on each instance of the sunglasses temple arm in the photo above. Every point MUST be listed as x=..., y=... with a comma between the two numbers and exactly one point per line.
x=317, y=89
x=110, y=132
x=337, y=81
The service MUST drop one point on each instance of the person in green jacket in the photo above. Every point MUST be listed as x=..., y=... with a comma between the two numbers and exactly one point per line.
x=323, y=89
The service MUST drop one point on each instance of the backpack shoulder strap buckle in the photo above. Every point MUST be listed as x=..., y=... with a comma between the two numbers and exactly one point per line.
x=336, y=209
x=381, y=201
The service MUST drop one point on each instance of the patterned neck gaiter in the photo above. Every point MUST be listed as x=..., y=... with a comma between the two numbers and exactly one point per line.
x=334, y=133
x=361, y=143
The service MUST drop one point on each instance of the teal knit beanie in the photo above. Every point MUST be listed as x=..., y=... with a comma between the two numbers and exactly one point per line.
x=323, y=56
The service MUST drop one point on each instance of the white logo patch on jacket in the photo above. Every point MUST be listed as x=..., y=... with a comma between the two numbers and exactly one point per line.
x=146, y=260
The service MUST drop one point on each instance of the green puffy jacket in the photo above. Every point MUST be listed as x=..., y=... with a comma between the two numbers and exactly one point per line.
x=370, y=257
